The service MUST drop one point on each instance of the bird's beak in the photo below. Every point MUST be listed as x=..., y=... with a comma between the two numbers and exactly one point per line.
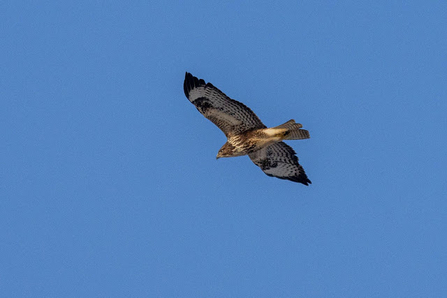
x=217, y=157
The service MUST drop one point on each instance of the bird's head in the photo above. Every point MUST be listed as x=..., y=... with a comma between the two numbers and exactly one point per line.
x=227, y=150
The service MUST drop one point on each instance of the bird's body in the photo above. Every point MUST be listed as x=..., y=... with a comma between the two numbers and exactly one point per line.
x=246, y=134
x=253, y=140
x=246, y=143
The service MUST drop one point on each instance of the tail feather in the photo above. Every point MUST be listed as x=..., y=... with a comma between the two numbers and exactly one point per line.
x=289, y=124
x=298, y=134
x=293, y=131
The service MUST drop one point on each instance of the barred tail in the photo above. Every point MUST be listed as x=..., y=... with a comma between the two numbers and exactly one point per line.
x=293, y=131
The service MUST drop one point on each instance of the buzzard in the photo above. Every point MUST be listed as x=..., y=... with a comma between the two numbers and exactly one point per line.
x=246, y=134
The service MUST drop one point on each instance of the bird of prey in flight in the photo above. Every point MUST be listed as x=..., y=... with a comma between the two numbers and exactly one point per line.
x=246, y=134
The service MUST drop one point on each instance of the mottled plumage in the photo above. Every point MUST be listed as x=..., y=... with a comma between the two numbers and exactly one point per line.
x=246, y=134
x=280, y=158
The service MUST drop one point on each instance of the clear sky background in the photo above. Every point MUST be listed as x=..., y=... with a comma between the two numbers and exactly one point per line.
x=109, y=186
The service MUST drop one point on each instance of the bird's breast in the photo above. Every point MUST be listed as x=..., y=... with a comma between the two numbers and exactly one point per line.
x=250, y=141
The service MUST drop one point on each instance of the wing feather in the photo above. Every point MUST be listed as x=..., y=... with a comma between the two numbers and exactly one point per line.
x=279, y=160
x=231, y=116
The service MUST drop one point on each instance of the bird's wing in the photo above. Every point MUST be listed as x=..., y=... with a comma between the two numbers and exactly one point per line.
x=231, y=116
x=279, y=160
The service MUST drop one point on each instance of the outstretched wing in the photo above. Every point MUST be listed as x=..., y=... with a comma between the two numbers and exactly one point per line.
x=279, y=160
x=231, y=116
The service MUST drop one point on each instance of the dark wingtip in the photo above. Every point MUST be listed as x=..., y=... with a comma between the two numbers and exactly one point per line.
x=307, y=182
x=191, y=82
x=187, y=84
x=301, y=178
x=304, y=180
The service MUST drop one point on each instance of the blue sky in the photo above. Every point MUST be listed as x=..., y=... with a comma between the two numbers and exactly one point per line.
x=109, y=185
